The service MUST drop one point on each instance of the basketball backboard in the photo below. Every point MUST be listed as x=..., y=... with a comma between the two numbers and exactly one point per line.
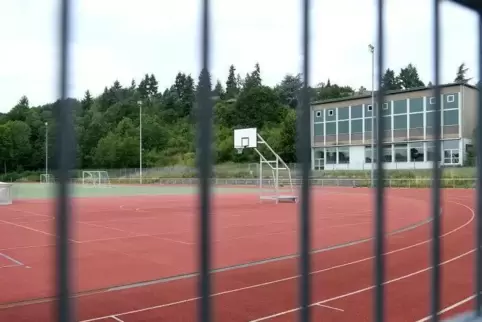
x=245, y=138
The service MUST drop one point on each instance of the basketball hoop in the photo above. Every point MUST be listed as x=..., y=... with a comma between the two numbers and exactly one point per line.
x=240, y=150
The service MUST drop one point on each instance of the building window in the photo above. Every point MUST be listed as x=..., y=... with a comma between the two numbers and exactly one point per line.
x=432, y=100
x=368, y=155
x=416, y=152
x=319, y=159
x=331, y=156
x=385, y=106
x=330, y=112
x=450, y=144
x=387, y=154
x=450, y=98
x=369, y=108
x=401, y=153
x=451, y=117
x=432, y=155
x=451, y=156
x=343, y=155
x=318, y=113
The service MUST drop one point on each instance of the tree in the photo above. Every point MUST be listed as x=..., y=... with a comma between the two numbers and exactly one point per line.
x=232, y=89
x=107, y=125
x=219, y=90
x=153, y=85
x=87, y=101
x=289, y=88
x=20, y=111
x=390, y=82
x=409, y=77
x=256, y=107
x=254, y=79
x=461, y=77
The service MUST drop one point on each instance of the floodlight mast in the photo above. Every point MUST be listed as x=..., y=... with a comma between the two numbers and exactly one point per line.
x=46, y=149
x=140, y=141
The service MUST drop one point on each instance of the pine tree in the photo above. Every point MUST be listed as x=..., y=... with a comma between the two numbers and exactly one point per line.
x=409, y=77
x=232, y=89
x=390, y=82
x=153, y=85
x=461, y=75
x=254, y=79
x=219, y=90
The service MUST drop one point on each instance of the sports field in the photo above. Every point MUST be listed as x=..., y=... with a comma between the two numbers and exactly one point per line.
x=135, y=254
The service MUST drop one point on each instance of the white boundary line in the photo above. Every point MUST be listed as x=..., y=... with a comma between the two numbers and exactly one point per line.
x=13, y=260
x=116, y=318
x=330, y=307
x=448, y=308
x=312, y=273
x=386, y=282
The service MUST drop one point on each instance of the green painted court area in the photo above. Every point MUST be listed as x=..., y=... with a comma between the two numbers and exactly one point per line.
x=46, y=191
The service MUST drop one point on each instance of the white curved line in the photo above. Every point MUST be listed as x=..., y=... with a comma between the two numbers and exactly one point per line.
x=314, y=272
x=389, y=281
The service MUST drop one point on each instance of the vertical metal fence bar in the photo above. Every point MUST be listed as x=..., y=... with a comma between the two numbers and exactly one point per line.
x=304, y=153
x=478, y=142
x=436, y=171
x=379, y=300
x=64, y=157
x=204, y=162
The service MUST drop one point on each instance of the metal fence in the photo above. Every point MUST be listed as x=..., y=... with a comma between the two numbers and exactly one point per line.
x=65, y=160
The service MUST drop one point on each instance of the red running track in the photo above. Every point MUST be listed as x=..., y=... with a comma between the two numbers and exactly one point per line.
x=151, y=238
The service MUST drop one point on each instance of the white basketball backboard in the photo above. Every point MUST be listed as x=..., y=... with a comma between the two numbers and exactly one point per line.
x=245, y=138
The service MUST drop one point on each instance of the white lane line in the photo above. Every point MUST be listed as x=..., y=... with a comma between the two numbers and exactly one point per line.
x=26, y=227
x=448, y=308
x=116, y=318
x=330, y=307
x=364, y=289
x=18, y=263
x=269, y=317
x=296, y=276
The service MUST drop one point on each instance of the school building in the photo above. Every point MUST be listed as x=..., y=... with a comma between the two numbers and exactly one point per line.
x=342, y=129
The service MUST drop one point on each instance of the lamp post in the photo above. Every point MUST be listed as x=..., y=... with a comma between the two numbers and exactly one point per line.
x=140, y=141
x=46, y=150
x=372, y=51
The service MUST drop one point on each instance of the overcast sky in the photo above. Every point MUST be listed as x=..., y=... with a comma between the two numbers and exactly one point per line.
x=124, y=39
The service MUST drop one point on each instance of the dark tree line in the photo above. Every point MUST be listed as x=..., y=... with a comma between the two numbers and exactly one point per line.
x=107, y=126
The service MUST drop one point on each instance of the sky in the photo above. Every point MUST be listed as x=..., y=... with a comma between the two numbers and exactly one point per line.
x=125, y=39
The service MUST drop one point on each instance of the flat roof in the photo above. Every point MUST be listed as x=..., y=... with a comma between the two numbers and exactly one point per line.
x=417, y=89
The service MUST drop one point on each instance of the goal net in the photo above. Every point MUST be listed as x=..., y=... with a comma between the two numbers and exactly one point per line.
x=96, y=178
x=6, y=194
x=46, y=178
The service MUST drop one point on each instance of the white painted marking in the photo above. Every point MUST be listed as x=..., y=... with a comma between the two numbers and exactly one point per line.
x=7, y=266
x=387, y=282
x=26, y=247
x=116, y=318
x=331, y=307
x=30, y=213
x=26, y=227
x=314, y=272
x=19, y=263
x=32, y=229
x=448, y=308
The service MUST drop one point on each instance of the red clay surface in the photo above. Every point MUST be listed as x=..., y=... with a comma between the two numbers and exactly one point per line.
x=119, y=241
